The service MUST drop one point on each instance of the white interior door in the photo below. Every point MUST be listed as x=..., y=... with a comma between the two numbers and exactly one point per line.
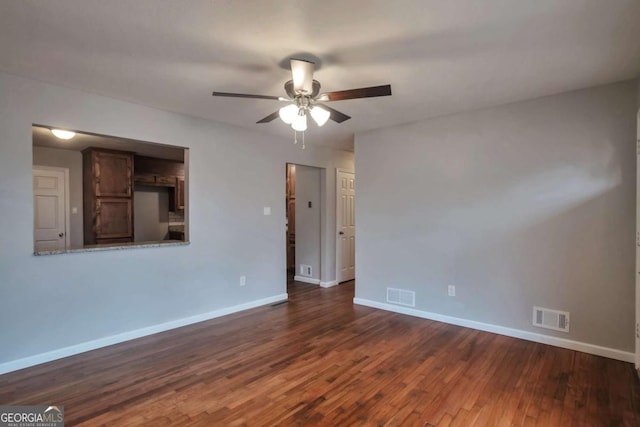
x=49, y=209
x=346, y=225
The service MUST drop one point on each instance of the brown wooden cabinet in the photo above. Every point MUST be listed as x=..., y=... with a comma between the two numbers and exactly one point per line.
x=112, y=172
x=113, y=218
x=154, y=171
x=179, y=194
x=144, y=178
x=162, y=173
x=108, y=196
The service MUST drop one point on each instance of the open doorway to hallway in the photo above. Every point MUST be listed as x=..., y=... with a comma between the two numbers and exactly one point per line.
x=291, y=221
x=303, y=232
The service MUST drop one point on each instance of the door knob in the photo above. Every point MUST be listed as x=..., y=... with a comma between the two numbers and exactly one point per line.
x=341, y=233
x=61, y=235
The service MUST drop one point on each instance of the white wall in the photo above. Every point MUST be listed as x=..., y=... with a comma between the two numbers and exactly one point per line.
x=51, y=302
x=308, y=219
x=72, y=160
x=150, y=213
x=526, y=204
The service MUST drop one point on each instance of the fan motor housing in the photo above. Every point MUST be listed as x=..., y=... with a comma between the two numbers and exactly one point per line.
x=288, y=88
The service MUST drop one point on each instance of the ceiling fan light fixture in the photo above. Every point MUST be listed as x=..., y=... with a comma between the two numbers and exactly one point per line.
x=63, y=134
x=320, y=115
x=302, y=73
x=300, y=123
x=304, y=98
x=289, y=113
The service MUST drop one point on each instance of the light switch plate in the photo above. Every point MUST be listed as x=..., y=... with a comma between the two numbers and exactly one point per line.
x=267, y=210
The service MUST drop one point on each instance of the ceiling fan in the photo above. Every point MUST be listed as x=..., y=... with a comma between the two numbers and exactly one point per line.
x=304, y=97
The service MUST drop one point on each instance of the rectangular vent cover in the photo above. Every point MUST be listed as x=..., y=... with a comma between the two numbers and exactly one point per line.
x=401, y=296
x=305, y=270
x=551, y=319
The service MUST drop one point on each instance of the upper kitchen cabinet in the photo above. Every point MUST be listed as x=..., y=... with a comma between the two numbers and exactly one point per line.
x=112, y=173
x=179, y=194
x=107, y=196
x=162, y=173
x=155, y=171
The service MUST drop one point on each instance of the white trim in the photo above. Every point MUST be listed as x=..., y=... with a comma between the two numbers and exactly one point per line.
x=611, y=353
x=67, y=200
x=306, y=280
x=329, y=283
x=637, y=248
x=37, y=359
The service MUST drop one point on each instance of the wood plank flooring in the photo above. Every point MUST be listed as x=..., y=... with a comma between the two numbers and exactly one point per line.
x=320, y=360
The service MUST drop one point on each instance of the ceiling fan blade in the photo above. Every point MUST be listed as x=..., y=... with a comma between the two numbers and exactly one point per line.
x=302, y=72
x=245, y=95
x=270, y=117
x=336, y=115
x=365, y=92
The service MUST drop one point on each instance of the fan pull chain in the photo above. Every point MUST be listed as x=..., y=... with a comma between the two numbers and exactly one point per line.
x=295, y=138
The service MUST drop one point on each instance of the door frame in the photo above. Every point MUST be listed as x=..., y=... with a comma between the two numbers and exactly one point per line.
x=67, y=200
x=637, y=269
x=337, y=212
x=322, y=231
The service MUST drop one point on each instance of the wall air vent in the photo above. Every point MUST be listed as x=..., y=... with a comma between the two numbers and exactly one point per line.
x=551, y=319
x=305, y=270
x=401, y=296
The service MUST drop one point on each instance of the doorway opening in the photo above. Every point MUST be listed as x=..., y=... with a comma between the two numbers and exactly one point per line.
x=291, y=221
x=304, y=210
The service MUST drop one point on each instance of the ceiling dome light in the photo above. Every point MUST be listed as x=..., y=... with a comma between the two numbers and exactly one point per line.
x=320, y=115
x=300, y=123
x=63, y=134
x=289, y=113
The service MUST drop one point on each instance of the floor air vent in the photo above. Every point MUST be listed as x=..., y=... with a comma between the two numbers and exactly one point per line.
x=401, y=296
x=551, y=319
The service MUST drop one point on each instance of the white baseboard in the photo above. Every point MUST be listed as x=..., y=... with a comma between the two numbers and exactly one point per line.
x=306, y=280
x=501, y=330
x=329, y=283
x=37, y=359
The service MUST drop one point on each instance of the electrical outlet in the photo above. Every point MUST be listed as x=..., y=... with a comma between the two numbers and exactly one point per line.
x=452, y=290
x=243, y=280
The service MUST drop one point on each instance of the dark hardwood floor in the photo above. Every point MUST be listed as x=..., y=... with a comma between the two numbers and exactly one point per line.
x=320, y=360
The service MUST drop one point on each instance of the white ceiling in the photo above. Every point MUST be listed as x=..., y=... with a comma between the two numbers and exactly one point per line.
x=439, y=56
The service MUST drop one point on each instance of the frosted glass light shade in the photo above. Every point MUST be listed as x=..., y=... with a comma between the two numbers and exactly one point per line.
x=288, y=113
x=302, y=73
x=63, y=134
x=320, y=115
x=300, y=123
